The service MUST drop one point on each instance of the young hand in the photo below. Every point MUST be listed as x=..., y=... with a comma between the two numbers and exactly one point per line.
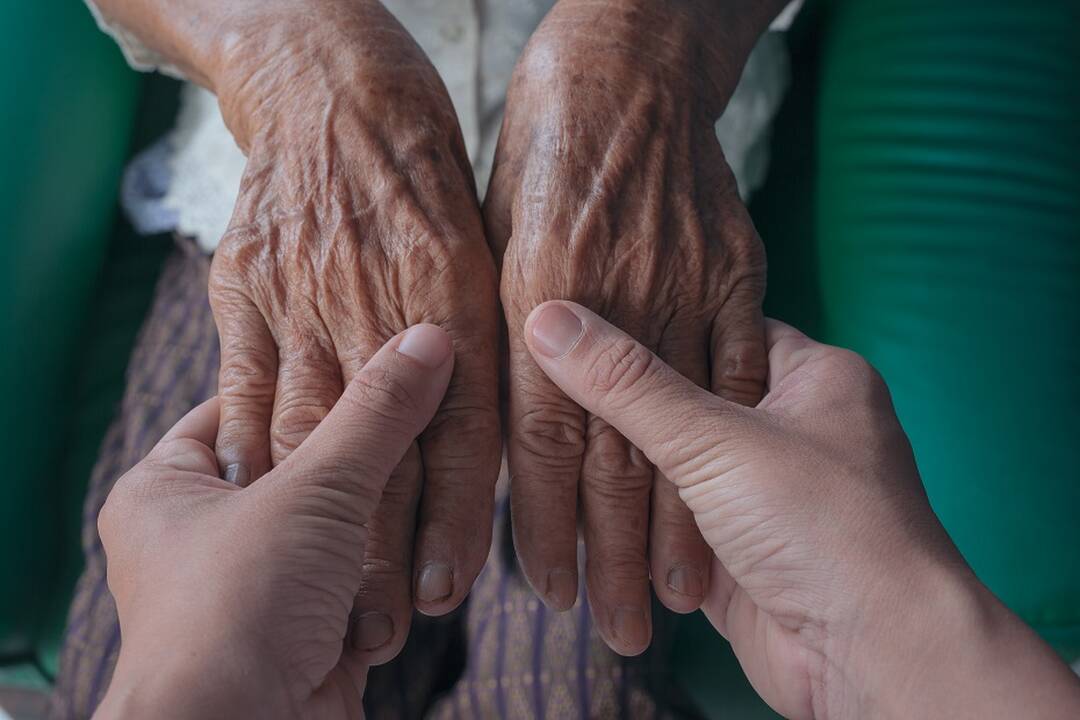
x=239, y=602
x=836, y=585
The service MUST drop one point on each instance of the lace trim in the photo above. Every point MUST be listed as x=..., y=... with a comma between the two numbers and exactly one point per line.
x=138, y=56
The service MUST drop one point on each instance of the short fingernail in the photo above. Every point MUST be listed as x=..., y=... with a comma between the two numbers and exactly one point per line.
x=435, y=582
x=426, y=344
x=237, y=474
x=556, y=330
x=561, y=589
x=631, y=626
x=372, y=630
x=686, y=581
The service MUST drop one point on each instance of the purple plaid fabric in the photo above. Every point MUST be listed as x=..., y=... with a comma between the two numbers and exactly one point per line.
x=503, y=656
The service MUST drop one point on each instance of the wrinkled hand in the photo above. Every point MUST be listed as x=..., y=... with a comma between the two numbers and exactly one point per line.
x=236, y=602
x=610, y=189
x=357, y=217
x=840, y=592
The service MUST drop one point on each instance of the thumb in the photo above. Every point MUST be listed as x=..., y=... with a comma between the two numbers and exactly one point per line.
x=355, y=448
x=668, y=417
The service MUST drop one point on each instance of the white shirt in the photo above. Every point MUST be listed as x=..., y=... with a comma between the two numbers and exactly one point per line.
x=474, y=45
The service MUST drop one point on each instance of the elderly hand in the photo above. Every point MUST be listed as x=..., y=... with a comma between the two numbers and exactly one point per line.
x=610, y=188
x=236, y=602
x=357, y=217
x=841, y=594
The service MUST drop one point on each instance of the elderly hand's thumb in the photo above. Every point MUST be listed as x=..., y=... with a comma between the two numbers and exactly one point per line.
x=354, y=449
x=613, y=376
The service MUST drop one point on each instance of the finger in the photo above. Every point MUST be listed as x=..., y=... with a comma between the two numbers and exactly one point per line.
x=383, y=608
x=546, y=442
x=189, y=445
x=616, y=482
x=246, y=385
x=200, y=424
x=674, y=422
x=739, y=361
x=350, y=455
x=678, y=555
x=462, y=449
x=382, y=611
x=308, y=385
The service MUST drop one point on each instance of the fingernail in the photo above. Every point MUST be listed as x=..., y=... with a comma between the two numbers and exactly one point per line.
x=686, y=581
x=426, y=344
x=631, y=627
x=435, y=582
x=556, y=330
x=561, y=589
x=372, y=630
x=237, y=474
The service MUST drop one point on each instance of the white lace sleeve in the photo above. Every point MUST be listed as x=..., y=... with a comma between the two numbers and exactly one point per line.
x=137, y=55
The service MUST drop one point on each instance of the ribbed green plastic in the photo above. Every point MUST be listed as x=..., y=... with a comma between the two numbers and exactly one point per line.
x=948, y=228
x=66, y=104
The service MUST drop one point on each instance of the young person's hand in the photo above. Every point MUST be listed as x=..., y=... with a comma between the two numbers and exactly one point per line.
x=239, y=602
x=836, y=585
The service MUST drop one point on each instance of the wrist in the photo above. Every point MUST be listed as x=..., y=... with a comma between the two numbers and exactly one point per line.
x=946, y=647
x=196, y=673
x=286, y=65
x=689, y=48
x=900, y=653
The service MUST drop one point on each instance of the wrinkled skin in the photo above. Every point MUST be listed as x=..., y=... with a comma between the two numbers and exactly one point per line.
x=357, y=217
x=611, y=189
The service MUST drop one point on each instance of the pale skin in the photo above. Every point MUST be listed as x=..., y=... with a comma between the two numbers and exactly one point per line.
x=358, y=217
x=838, y=589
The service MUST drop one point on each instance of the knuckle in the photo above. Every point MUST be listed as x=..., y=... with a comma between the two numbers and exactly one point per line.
x=186, y=451
x=615, y=467
x=856, y=371
x=474, y=421
x=296, y=417
x=247, y=375
x=622, y=365
x=380, y=393
x=387, y=565
x=115, y=508
x=462, y=440
x=308, y=353
x=618, y=490
x=743, y=369
x=226, y=284
x=621, y=563
x=551, y=432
